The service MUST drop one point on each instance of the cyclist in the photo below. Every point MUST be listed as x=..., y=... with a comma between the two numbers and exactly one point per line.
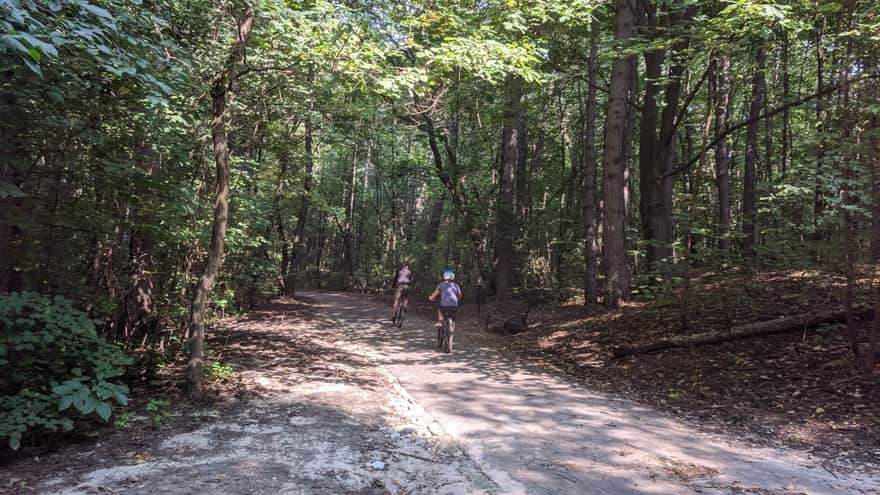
x=401, y=281
x=449, y=293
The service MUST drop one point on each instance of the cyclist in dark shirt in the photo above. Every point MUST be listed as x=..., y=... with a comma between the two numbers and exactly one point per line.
x=401, y=281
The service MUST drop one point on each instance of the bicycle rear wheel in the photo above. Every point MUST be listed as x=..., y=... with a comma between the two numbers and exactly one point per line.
x=447, y=336
x=401, y=315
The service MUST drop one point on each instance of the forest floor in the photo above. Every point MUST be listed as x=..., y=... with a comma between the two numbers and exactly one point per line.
x=797, y=389
x=327, y=397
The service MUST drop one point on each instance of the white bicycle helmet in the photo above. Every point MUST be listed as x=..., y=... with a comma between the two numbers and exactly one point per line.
x=448, y=275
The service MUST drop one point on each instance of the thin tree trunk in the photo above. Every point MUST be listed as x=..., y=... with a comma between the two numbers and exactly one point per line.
x=786, y=114
x=591, y=245
x=219, y=89
x=722, y=151
x=657, y=138
x=10, y=158
x=299, y=232
x=751, y=160
x=135, y=312
x=818, y=200
x=434, y=219
x=505, y=223
x=614, y=185
x=348, y=228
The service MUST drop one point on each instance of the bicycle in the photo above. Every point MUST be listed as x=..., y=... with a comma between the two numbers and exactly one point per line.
x=445, y=334
x=400, y=315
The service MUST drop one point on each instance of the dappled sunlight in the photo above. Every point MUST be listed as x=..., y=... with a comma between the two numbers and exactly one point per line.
x=506, y=410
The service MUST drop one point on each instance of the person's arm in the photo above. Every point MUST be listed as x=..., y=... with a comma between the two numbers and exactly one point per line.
x=434, y=295
x=458, y=290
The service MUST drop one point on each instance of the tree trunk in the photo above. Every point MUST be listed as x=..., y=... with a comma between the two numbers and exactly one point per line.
x=505, y=221
x=818, y=197
x=722, y=150
x=434, y=219
x=458, y=196
x=657, y=139
x=135, y=312
x=614, y=185
x=10, y=205
x=219, y=89
x=786, y=114
x=348, y=228
x=751, y=160
x=591, y=245
x=522, y=175
x=297, y=244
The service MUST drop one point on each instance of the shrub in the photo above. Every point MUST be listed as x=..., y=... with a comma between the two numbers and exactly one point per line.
x=52, y=365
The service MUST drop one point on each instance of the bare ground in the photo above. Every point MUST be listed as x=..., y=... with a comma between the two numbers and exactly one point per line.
x=307, y=412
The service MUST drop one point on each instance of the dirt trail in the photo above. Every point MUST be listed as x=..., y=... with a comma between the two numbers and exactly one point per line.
x=327, y=421
x=367, y=408
x=534, y=433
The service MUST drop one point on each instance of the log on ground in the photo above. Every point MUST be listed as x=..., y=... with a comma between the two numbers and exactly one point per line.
x=779, y=325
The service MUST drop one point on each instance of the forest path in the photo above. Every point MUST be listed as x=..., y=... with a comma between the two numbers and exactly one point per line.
x=531, y=432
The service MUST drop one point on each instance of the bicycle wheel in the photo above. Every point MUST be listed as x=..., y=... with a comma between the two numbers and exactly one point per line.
x=440, y=336
x=447, y=336
x=401, y=315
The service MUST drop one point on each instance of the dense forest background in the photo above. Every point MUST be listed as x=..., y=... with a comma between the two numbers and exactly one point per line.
x=165, y=162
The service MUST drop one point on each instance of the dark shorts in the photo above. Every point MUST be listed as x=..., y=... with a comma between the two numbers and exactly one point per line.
x=449, y=312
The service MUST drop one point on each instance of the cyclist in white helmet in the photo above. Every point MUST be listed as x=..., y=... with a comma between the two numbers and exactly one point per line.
x=449, y=293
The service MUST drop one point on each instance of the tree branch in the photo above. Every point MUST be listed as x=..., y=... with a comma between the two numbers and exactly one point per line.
x=800, y=101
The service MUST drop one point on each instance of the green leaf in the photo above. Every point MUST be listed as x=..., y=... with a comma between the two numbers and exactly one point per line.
x=65, y=403
x=14, y=441
x=164, y=87
x=88, y=406
x=98, y=11
x=103, y=410
x=33, y=67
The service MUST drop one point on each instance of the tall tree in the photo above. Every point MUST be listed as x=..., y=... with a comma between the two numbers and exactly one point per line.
x=505, y=224
x=749, y=209
x=220, y=88
x=590, y=212
x=722, y=149
x=302, y=213
x=658, y=129
x=616, y=157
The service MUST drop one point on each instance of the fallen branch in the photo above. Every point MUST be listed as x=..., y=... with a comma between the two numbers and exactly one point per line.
x=780, y=325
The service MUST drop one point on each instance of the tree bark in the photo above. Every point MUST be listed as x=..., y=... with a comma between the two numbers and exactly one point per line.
x=786, y=114
x=457, y=195
x=219, y=89
x=751, y=160
x=614, y=185
x=135, y=312
x=722, y=150
x=348, y=228
x=505, y=220
x=818, y=197
x=297, y=244
x=657, y=137
x=590, y=220
x=10, y=177
x=434, y=219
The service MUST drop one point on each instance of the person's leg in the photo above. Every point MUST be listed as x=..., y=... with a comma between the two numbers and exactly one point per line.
x=451, y=314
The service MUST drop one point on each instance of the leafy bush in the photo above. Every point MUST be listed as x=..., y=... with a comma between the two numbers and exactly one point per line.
x=218, y=372
x=52, y=359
